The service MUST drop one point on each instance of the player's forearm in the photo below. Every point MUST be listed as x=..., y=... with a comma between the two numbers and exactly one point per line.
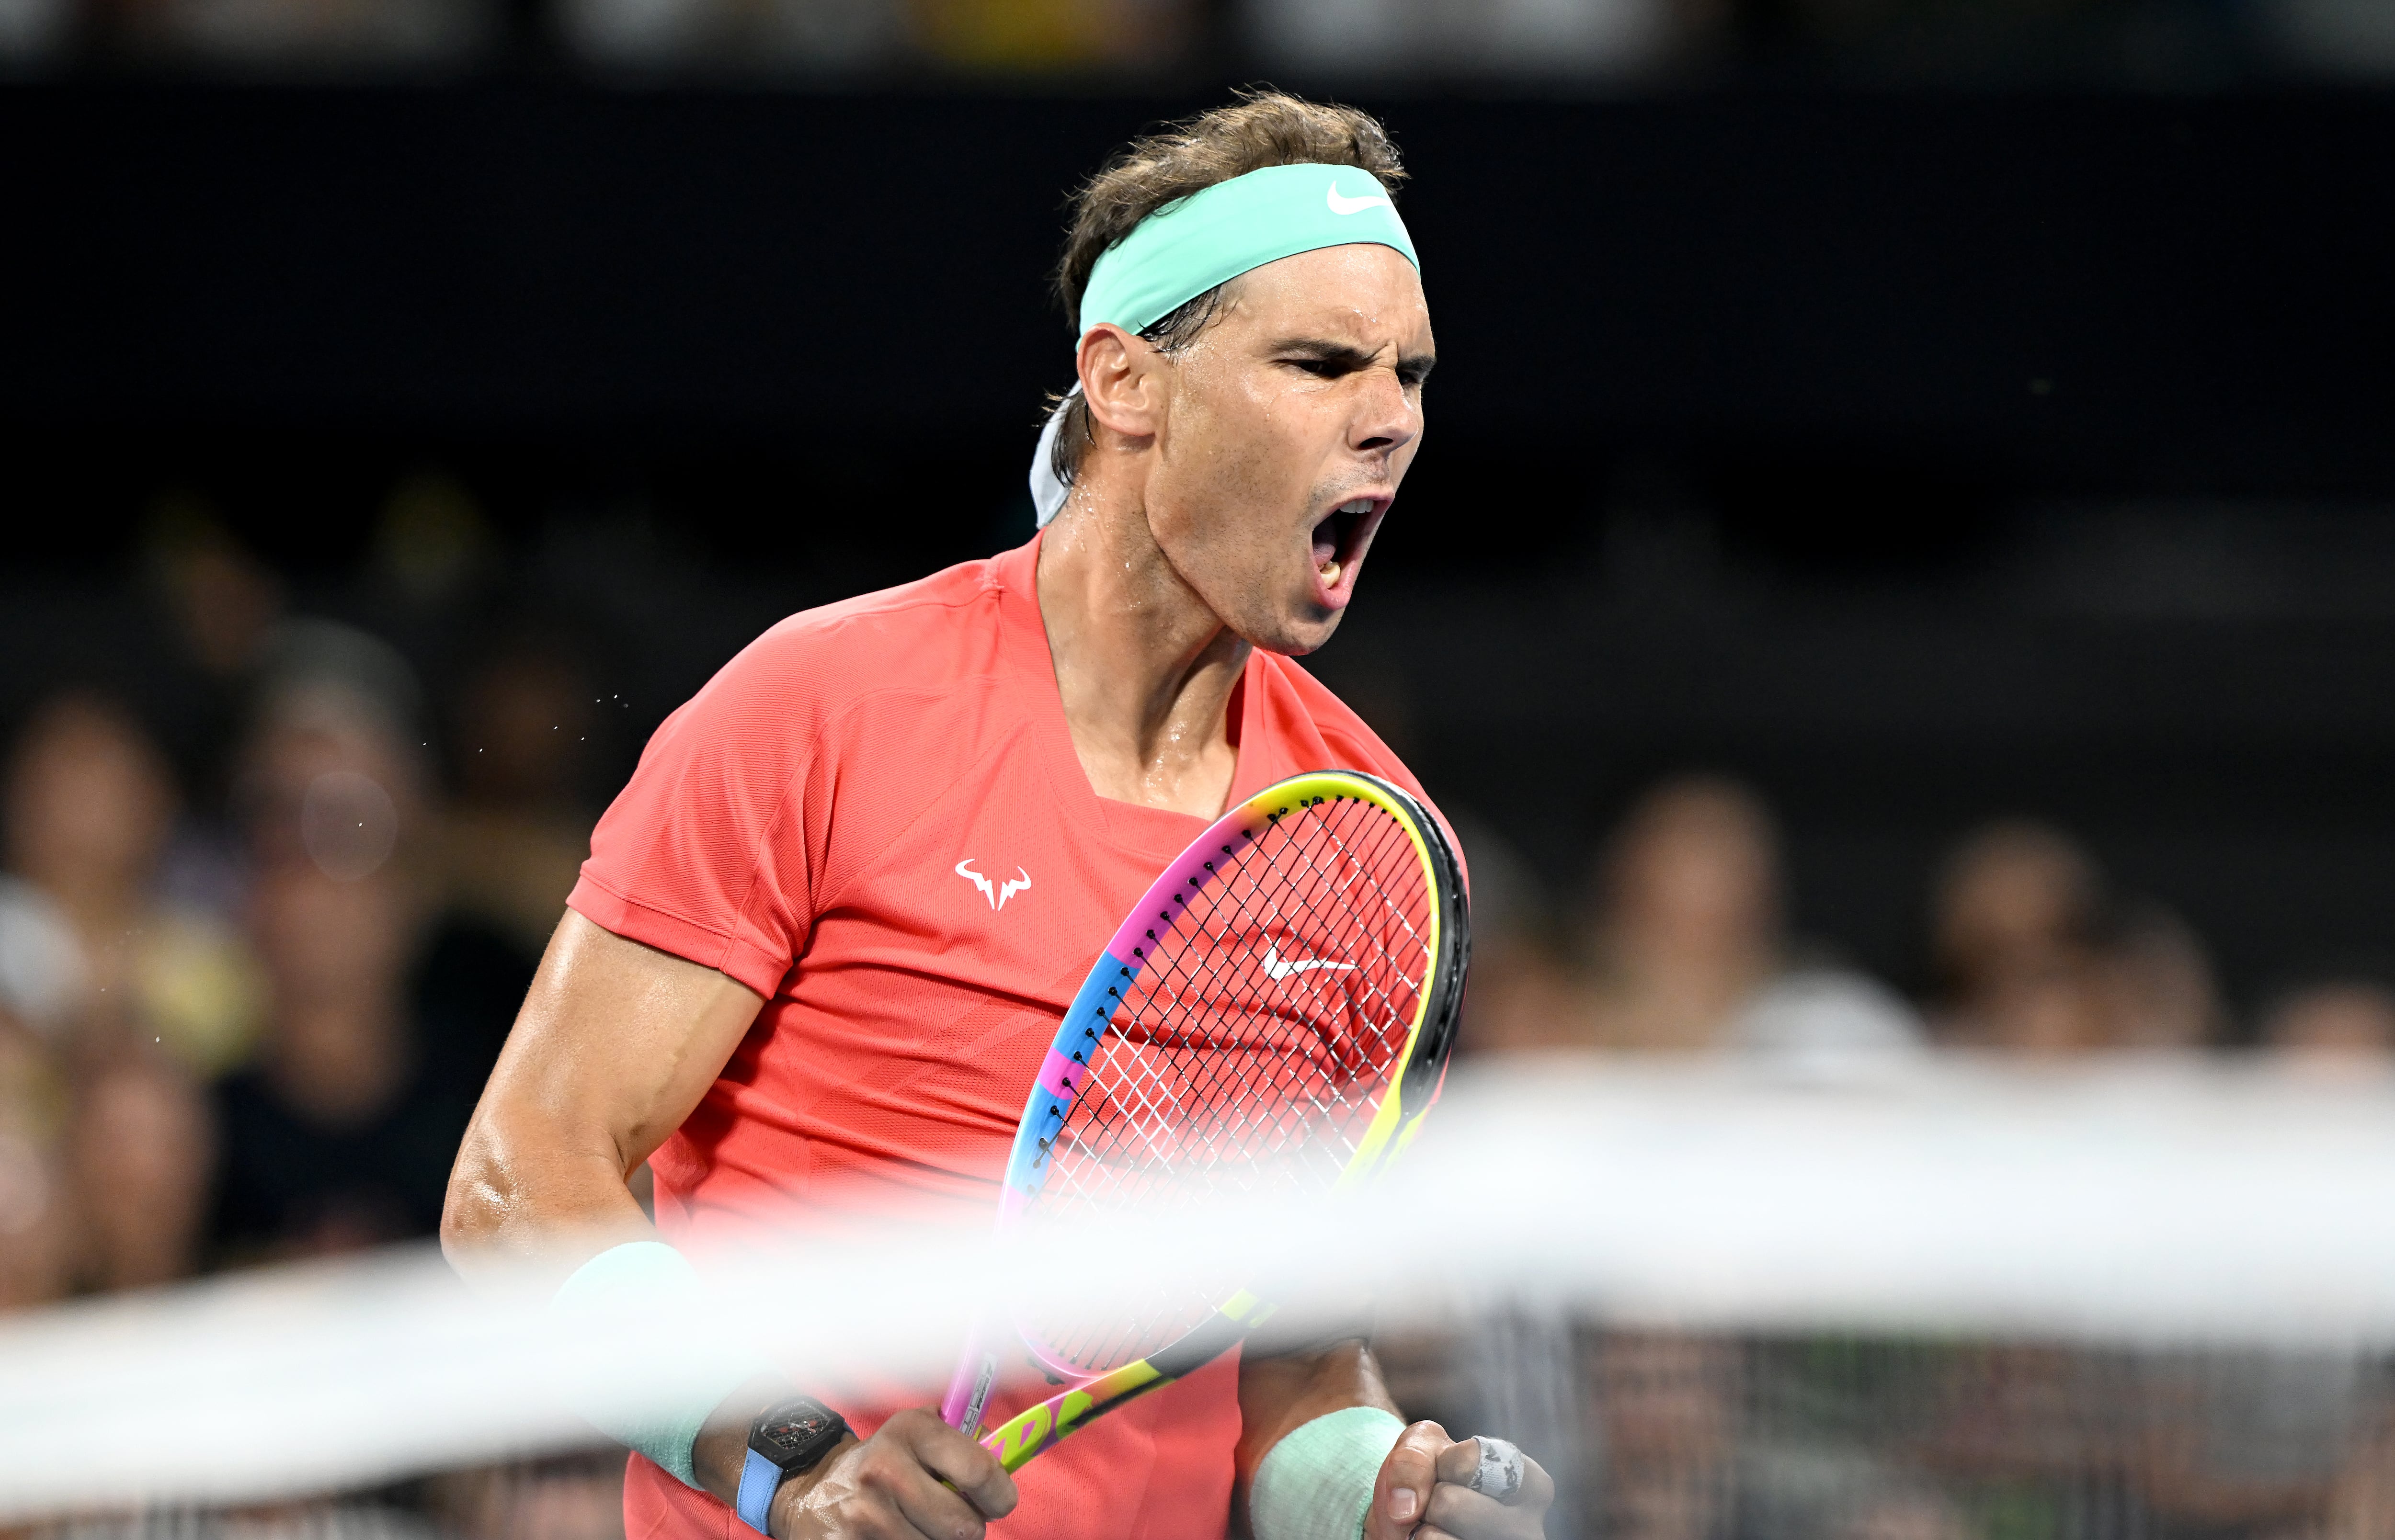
x=523, y=1198
x=1282, y=1392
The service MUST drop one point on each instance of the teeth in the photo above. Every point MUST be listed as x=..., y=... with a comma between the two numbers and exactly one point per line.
x=1361, y=505
x=1329, y=570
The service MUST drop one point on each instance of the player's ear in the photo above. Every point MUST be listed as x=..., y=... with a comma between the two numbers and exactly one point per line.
x=1121, y=381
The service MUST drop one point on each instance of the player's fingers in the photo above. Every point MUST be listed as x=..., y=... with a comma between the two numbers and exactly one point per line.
x=1402, y=1490
x=939, y=1512
x=1468, y=1515
x=960, y=1461
x=1463, y=1511
x=1538, y=1492
x=904, y=1499
x=1460, y=1463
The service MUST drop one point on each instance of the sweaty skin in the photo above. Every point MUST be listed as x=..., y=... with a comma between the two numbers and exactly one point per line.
x=1191, y=533
x=1201, y=526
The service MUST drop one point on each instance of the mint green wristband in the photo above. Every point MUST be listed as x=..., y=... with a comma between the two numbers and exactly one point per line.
x=654, y=1276
x=1317, y=1484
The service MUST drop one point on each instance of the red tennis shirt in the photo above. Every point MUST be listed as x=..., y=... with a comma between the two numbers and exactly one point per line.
x=874, y=817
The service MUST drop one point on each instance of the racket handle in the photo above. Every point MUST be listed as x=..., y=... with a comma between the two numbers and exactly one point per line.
x=969, y=1390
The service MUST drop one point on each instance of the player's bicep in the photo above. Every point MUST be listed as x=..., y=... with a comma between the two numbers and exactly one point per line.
x=614, y=1045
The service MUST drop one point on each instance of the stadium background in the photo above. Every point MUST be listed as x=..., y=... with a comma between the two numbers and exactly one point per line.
x=1915, y=476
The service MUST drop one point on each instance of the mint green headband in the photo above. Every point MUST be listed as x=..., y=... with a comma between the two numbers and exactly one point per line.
x=1208, y=238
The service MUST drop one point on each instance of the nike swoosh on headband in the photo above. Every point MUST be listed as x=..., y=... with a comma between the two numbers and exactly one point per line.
x=1354, y=206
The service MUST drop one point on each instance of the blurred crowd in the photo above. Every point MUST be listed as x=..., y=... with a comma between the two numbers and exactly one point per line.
x=260, y=943
x=1351, y=43
x=1681, y=944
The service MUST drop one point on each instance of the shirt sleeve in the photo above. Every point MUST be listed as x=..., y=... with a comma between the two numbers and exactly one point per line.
x=705, y=852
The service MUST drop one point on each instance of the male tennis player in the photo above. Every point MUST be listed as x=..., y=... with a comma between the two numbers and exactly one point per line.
x=826, y=934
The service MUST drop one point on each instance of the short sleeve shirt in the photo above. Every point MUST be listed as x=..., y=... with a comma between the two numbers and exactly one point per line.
x=875, y=818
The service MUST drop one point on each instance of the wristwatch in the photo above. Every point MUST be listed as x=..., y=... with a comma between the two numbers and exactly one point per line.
x=788, y=1439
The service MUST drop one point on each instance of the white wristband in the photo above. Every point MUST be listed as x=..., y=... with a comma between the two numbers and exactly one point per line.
x=1317, y=1484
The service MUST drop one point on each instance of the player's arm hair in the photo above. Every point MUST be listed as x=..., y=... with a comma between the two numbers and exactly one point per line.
x=614, y=1045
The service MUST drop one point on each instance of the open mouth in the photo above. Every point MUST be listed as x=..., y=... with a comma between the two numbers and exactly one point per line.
x=1340, y=539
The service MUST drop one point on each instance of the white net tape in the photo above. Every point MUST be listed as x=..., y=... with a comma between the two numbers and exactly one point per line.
x=2134, y=1207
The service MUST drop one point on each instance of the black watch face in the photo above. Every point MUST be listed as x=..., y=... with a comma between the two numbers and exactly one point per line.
x=791, y=1429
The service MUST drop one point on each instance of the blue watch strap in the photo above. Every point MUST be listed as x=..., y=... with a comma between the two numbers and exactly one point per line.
x=760, y=1478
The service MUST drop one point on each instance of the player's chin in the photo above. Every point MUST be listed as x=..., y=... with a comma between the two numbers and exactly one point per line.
x=1299, y=630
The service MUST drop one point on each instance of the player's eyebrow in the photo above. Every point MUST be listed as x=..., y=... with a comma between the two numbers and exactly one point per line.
x=1345, y=357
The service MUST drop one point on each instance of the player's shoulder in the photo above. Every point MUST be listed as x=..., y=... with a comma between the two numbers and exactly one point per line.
x=926, y=612
x=1323, y=731
x=924, y=637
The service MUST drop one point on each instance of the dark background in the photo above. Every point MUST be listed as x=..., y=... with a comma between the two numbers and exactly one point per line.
x=1919, y=455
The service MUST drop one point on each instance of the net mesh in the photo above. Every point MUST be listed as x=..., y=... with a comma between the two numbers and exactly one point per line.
x=1926, y=1298
x=1252, y=1051
x=1662, y=1435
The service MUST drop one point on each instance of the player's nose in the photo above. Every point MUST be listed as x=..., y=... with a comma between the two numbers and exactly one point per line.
x=1387, y=416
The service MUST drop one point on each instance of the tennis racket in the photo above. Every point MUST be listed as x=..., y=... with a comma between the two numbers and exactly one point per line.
x=1271, y=1020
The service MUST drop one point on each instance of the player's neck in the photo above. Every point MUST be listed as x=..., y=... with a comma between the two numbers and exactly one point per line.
x=1144, y=669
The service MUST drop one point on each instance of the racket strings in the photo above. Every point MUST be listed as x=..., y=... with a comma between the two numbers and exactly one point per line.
x=1178, y=1086
x=1259, y=1042
x=1324, y=889
x=1330, y=927
x=1388, y=838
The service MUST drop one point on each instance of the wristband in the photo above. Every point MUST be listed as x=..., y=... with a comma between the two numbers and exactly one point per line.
x=653, y=1276
x=1317, y=1484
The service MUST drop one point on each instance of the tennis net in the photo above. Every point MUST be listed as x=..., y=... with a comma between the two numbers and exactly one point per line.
x=1920, y=1301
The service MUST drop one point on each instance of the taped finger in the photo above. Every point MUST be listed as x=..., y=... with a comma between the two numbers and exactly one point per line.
x=1500, y=1469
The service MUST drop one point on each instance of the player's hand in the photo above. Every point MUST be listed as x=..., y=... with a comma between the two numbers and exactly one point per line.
x=889, y=1487
x=1422, y=1494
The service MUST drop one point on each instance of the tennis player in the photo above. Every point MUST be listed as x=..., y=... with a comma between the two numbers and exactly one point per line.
x=825, y=933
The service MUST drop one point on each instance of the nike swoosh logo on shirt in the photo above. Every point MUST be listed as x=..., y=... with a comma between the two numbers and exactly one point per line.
x=1355, y=205
x=1277, y=969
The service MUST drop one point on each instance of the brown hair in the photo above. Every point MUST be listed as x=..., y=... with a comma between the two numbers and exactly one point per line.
x=1262, y=128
